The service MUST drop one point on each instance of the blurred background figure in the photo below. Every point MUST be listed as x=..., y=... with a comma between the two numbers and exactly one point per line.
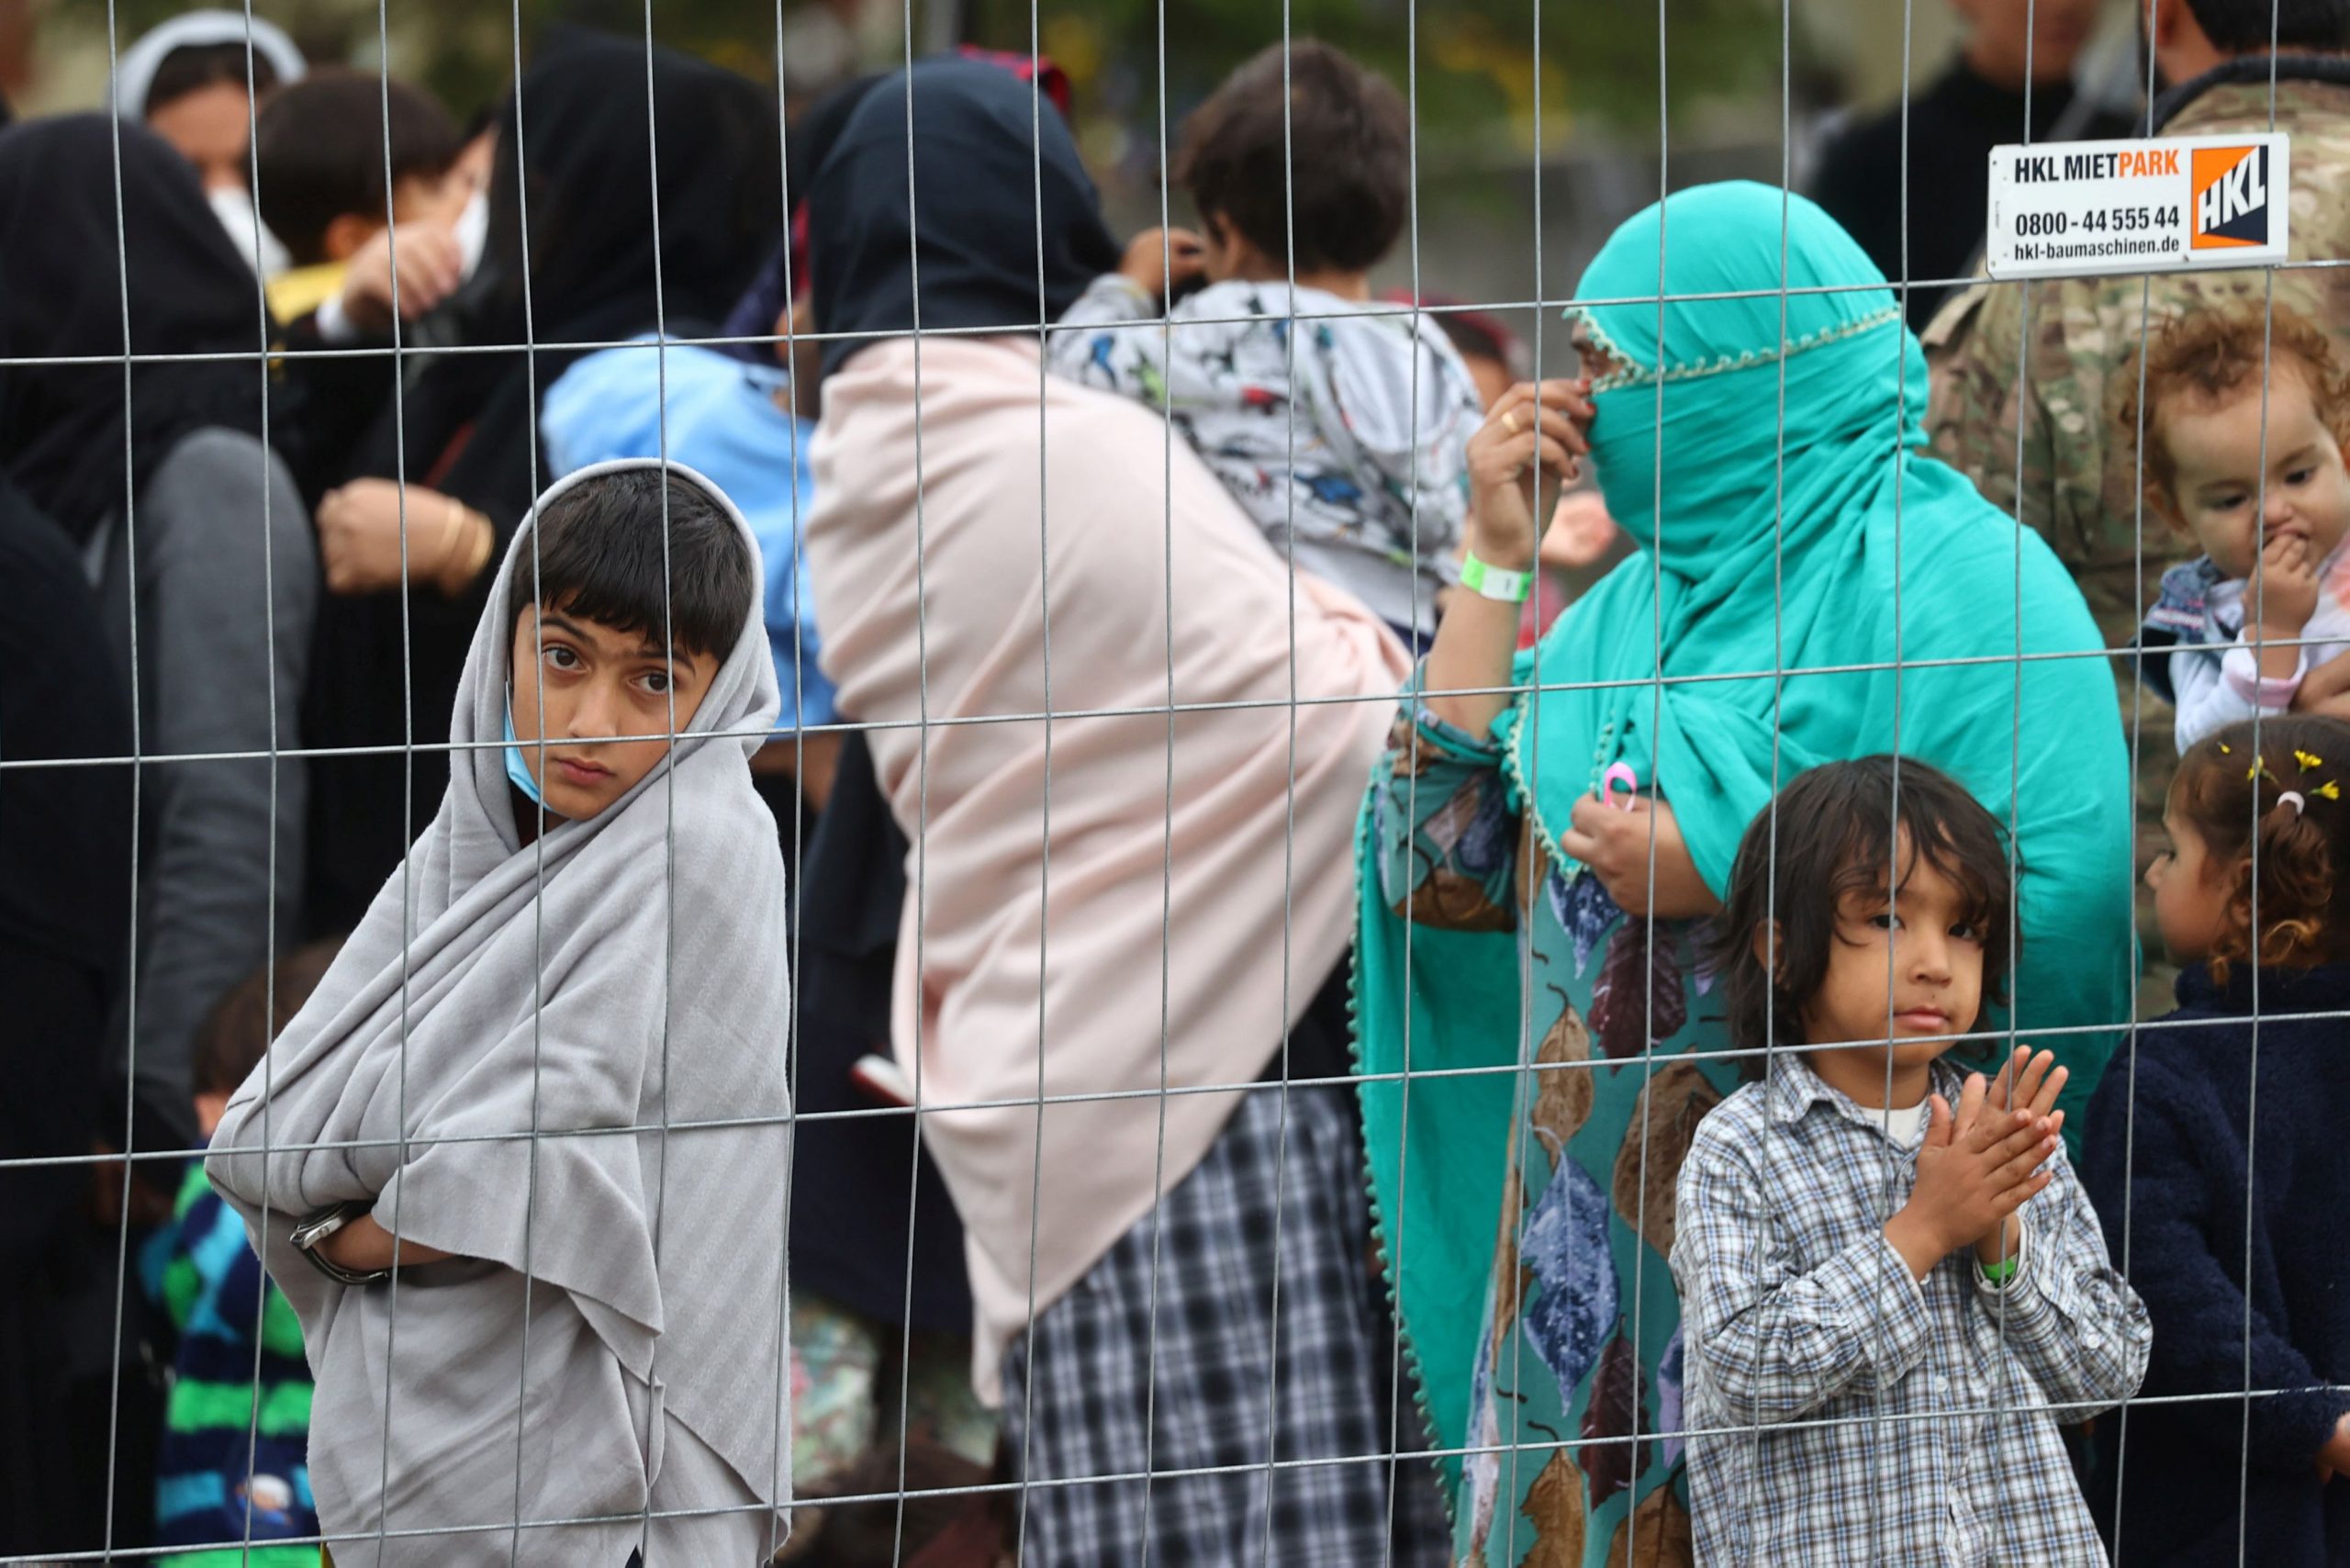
x=232, y=1462
x=451, y=465
x=196, y=81
x=2017, y=77
x=359, y=177
x=323, y=149
x=1497, y=359
x=64, y=930
x=170, y=503
x=16, y=53
x=199, y=546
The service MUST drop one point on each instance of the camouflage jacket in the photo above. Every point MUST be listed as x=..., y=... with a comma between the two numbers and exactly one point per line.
x=2078, y=475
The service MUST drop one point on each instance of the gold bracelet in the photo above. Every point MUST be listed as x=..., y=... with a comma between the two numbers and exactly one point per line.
x=458, y=575
x=452, y=521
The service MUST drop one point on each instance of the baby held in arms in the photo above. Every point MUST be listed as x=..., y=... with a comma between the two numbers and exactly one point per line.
x=2243, y=417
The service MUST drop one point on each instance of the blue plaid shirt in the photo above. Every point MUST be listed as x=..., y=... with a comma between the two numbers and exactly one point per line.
x=1843, y=1412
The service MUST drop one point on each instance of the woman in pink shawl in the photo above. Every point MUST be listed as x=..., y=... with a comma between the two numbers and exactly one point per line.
x=1127, y=742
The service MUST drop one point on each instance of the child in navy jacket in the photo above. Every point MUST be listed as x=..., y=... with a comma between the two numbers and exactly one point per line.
x=2220, y=1192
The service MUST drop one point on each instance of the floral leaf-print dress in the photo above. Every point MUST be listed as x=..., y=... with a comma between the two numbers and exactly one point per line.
x=1573, y=1380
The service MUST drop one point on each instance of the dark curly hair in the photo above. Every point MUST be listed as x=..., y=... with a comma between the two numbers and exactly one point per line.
x=2230, y=789
x=1835, y=831
x=2207, y=357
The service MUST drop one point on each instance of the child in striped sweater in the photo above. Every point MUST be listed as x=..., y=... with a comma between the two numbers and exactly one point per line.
x=232, y=1466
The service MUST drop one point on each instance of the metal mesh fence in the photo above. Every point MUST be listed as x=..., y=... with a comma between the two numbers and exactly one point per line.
x=1206, y=1039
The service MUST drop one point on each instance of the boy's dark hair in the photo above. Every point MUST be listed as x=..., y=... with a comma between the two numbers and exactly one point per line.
x=2209, y=356
x=599, y=556
x=2246, y=26
x=198, y=66
x=1339, y=162
x=320, y=150
x=2231, y=791
x=237, y=1032
x=1837, y=826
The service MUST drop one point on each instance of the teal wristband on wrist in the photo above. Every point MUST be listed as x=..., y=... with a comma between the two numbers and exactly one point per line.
x=1491, y=582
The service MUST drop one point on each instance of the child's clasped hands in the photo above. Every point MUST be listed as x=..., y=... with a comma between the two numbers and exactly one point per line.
x=1982, y=1161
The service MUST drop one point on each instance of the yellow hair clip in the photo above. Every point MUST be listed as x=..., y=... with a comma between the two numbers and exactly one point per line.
x=2225, y=750
x=2307, y=759
x=2330, y=789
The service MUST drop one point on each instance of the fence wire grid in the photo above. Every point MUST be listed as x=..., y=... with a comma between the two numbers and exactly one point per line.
x=1240, y=1364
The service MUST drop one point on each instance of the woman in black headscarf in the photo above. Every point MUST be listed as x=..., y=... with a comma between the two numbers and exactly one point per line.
x=598, y=172
x=191, y=529
x=812, y=139
x=786, y=272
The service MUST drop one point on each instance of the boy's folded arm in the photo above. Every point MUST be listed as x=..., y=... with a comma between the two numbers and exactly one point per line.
x=2067, y=1315
x=1775, y=1344
x=522, y=1161
x=266, y=1164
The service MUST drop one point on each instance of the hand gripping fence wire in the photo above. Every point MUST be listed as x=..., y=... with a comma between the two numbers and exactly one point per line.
x=1646, y=1535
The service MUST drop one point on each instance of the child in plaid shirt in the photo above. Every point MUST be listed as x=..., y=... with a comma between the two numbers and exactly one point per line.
x=1892, y=1285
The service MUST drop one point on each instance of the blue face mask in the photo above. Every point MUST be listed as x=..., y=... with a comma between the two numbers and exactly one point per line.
x=518, y=768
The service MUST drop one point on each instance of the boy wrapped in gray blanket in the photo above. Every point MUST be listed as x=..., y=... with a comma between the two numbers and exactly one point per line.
x=519, y=1164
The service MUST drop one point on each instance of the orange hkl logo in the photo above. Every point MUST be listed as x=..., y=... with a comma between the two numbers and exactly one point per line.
x=2231, y=187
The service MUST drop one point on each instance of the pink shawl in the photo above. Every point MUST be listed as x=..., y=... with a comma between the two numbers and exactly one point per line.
x=1164, y=959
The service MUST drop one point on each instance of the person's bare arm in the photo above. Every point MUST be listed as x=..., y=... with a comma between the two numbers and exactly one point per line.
x=813, y=757
x=1531, y=431
x=1620, y=843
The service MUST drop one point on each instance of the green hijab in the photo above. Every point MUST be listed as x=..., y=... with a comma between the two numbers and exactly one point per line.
x=1765, y=452
x=1761, y=551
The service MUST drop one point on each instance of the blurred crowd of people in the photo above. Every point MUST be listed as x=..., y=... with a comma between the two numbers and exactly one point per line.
x=1092, y=568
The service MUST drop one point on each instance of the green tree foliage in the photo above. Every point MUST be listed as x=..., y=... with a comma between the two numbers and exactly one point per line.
x=1477, y=79
x=1476, y=59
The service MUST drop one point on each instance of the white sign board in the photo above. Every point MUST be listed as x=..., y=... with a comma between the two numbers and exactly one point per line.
x=2060, y=209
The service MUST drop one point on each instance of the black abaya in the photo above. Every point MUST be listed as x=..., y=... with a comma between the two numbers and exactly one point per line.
x=65, y=834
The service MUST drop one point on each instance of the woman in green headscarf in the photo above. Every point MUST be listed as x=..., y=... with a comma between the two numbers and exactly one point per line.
x=1810, y=587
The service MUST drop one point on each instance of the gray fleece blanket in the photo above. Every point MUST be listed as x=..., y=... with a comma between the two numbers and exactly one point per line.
x=510, y=1058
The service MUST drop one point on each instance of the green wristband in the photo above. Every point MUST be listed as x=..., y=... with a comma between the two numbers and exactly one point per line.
x=2000, y=1273
x=1488, y=581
